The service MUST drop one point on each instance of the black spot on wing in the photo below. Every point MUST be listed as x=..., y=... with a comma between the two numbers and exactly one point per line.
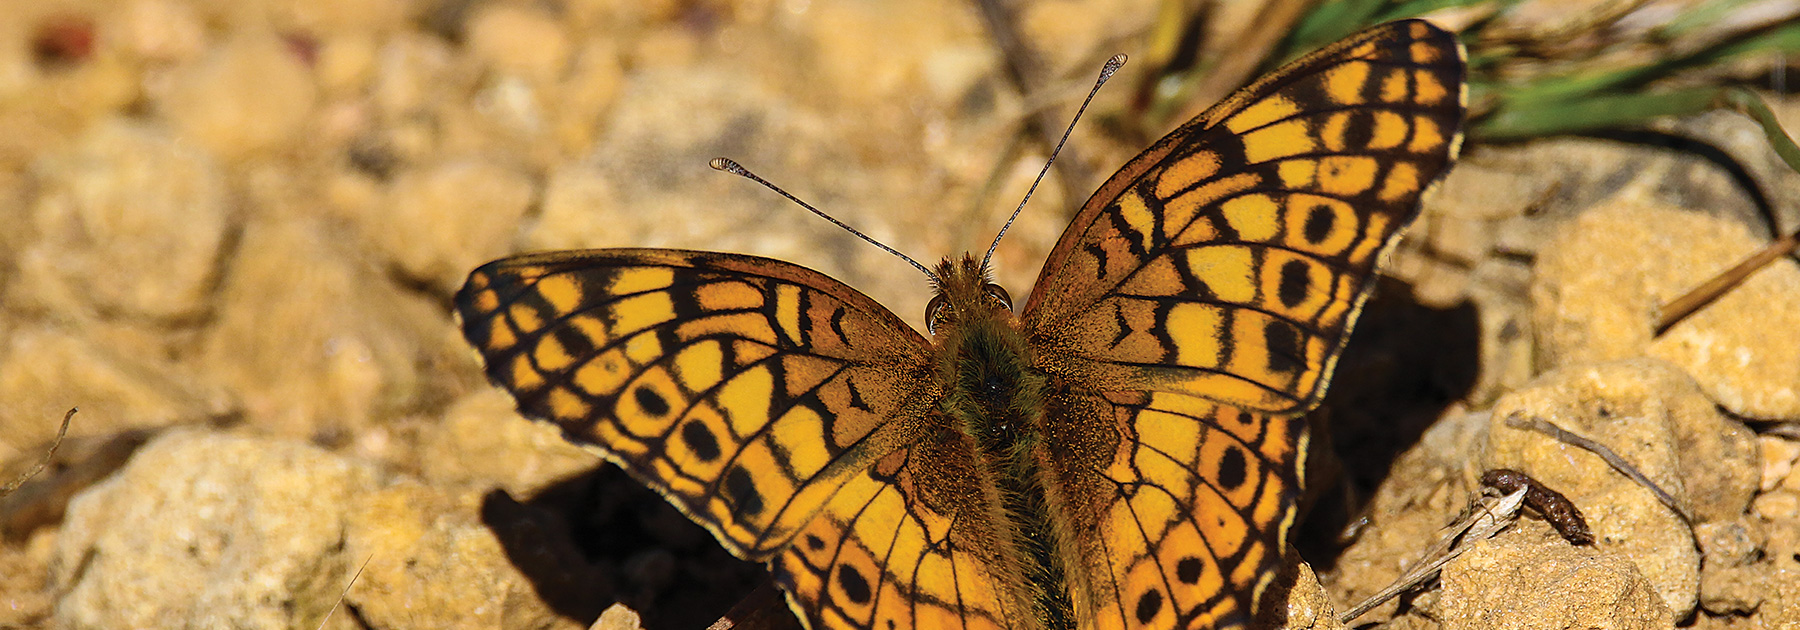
x=741, y=490
x=1148, y=604
x=700, y=440
x=1188, y=570
x=651, y=402
x=1285, y=353
x=1293, y=283
x=1319, y=223
x=855, y=586
x=1231, y=469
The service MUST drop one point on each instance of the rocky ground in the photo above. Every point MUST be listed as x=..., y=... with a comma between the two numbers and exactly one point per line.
x=233, y=229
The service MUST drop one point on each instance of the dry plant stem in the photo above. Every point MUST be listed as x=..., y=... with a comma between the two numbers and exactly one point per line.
x=45, y=460
x=1612, y=459
x=346, y=593
x=1272, y=23
x=1480, y=524
x=1025, y=70
x=1681, y=307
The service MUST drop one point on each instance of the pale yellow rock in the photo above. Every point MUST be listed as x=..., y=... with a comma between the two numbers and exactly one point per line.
x=1780, y=504
x=1601, y=280
x=1428, y=486
x=1732, y=580
x=1308, y=606
x=483, y=440
x=653, y=169
x=333, y=16
x=585, y=93
x=207, y=530
x=315, y=342
x=512, y=105
x=27, y=594
x=413, y=73
x=346, y=63
x=250, y=95
x=129, y=220
x=1490, y=186
x=874, y=54
x=1461, y=240
x=517, y=39
x=1782, y=609
x=57, y=91
x=1730, y=543
x=666, y=47
x=45, y=370
x=1733, y=590
x=443, y=220
x=617, y=617
x=434, y=564
x=1654, y=417
x=1778, y=457
x=1525, y=581
x=165, y=31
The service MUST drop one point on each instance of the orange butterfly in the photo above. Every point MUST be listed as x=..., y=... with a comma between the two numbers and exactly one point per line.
x=1124, y=452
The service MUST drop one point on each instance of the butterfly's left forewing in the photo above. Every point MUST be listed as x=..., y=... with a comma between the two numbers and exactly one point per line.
x=792, y=416
x=745, y=390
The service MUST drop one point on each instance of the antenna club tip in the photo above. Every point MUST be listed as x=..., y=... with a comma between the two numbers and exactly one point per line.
x=1112, y=66
x=725, y=164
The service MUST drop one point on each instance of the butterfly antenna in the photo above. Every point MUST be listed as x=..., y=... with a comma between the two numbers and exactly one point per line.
x=729, y=166
x=1106, y=72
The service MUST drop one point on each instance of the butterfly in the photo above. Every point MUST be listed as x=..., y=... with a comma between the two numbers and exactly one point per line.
x=1125, y=451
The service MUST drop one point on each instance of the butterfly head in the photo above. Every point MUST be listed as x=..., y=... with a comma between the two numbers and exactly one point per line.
x=964, y=292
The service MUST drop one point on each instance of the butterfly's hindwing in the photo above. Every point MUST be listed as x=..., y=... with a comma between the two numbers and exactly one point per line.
x=885, y=553
x=1205, y=497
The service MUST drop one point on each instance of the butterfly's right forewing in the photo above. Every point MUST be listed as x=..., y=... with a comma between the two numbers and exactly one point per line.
x=1229, y=260
x=1197, y=305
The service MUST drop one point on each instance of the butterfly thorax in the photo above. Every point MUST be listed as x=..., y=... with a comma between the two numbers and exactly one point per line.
x=995, y=398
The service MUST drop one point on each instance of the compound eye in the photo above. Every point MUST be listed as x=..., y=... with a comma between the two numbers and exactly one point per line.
x=934, y=312
x=994, y=291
